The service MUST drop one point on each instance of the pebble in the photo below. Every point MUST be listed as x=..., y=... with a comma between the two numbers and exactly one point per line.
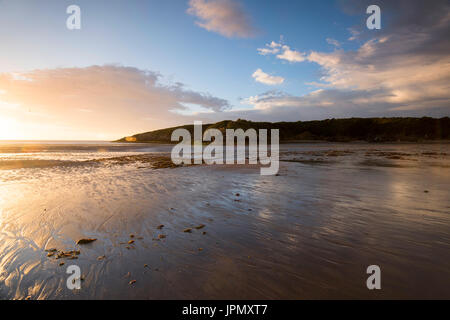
x=85, y=241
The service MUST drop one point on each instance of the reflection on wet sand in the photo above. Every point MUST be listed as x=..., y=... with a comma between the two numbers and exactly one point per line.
x=309, y=232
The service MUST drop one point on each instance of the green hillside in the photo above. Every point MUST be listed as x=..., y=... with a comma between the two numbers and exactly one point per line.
x=342, y=130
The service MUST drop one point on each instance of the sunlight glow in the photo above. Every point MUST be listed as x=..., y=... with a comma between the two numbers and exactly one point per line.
x=8, y=128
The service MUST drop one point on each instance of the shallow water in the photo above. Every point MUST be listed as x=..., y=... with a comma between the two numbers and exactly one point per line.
x=310, y=232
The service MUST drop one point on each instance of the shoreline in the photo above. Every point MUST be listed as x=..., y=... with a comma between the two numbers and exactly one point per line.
x=445, y=141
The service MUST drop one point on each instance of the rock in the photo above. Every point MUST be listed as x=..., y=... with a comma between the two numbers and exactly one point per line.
x=51, y=250
x=50, y=254
x=161, y=236
x=160, y=227
x=131, y=235
x=188, y=230
x=131, y=242
x=73, y=252
x=200, y=227
x=132, y=282
x=204, y=232
x=85, y=241
x=237, y=194
x=61, y=263
x=101, y=258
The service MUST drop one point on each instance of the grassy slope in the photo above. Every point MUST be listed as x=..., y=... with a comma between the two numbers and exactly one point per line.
x=365, y=129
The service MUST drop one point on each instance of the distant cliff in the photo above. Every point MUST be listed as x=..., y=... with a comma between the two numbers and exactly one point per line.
x=339, y=130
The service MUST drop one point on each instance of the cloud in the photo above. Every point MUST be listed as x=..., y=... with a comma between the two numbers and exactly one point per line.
x=226, y=17
x=283, y=52
x=261, y=76
x=403, y=67
x=321, y=98
x=113, y=100
x=334, y=42
x=354, y=34
x=291, y=55
x=271, y=48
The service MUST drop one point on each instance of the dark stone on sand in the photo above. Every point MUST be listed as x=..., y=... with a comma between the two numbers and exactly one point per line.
x=85, y=241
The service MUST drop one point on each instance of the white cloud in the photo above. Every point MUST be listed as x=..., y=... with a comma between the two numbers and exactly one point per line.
x=291, y=55
x=226, y=17
x=271, y=48
x=261, y=76
x=394, y=72
x=334, y=42
x=354, y=34
x=121, y=98
x=388, y=63
x=286, y=54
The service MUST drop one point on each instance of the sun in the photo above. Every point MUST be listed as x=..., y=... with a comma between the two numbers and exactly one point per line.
x=8, y=128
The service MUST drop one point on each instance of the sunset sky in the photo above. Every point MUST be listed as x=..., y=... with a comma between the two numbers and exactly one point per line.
x=141, y=65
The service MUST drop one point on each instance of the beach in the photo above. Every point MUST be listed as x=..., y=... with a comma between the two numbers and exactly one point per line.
x=225, y=231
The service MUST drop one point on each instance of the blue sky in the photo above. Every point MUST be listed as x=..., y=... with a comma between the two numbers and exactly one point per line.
x=160, y=36
x=164, y=38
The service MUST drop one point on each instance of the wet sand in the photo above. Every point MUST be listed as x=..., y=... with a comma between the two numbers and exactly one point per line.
x=308, y=233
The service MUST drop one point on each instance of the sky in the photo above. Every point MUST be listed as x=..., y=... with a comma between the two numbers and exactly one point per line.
x=138, y=65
